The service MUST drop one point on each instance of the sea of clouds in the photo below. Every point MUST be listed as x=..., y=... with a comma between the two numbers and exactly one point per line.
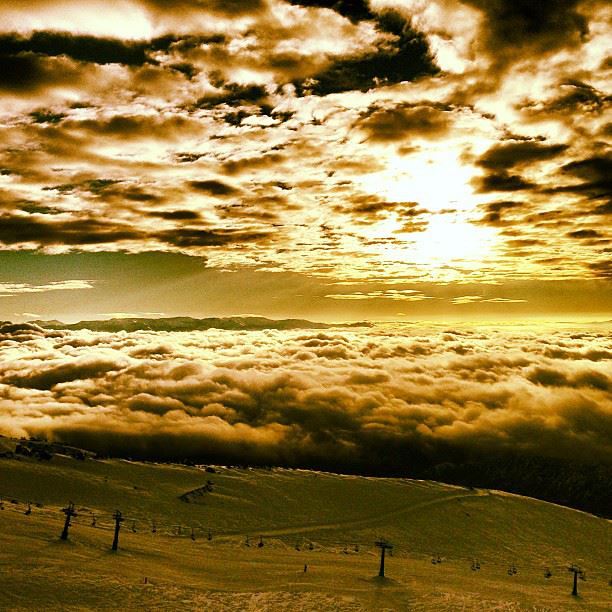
x=346, y=397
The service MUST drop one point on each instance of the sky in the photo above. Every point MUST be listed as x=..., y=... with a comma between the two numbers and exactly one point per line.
x=392, y=159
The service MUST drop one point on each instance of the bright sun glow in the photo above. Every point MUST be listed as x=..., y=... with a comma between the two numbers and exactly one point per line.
x=436, y=180
x=448, y=239
x=440, y=186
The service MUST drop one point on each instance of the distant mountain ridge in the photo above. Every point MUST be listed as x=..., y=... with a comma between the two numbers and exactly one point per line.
x=186, y=324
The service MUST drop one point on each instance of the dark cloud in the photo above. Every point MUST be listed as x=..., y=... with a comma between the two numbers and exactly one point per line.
x=28, y=72
x=21, y=229
x=176, y=215
x=601, y=269
x=245, y=164
x=24, y=332
x=236, y=118
x=552, y=377
x=397, y=123
x=229, y=8
x=406, y=58
x=77, y=47
x=575, y=96
x=255, y=212
x=45, y=116
x=595, y=169
x=188, y=158
x=194, y=237
x=354, y=10
x=589, y=354
x=233, y=94
x=603, y=209
x=514, y=26
x=502, y=181
x=501, y=159
x=132, y=125
x=48, y=376
x=584, y=233
x=262, y=108
x=22, y=72
x=100, y=184
x=524, y=242
x=510, y=155
x=37, y=60
x=366, y=208
x=596, y=174
x=111, y=191
x=39, y=209
x=189, y=70
x=215, y=188
x=496, y=213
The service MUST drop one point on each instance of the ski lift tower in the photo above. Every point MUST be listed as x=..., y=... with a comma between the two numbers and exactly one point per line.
x=384, y=547
x=578, y=573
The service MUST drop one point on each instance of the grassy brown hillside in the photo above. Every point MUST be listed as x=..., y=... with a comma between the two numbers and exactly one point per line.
x=327, y=522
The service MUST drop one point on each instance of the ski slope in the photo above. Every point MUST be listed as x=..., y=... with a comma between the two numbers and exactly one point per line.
x=204, y=553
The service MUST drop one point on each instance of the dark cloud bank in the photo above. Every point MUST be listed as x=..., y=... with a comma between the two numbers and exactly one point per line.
x=447, y=403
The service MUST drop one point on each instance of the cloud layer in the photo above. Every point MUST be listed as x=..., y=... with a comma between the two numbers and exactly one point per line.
x=385, y=398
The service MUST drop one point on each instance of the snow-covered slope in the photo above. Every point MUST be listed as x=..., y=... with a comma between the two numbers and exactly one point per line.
x=190, y=540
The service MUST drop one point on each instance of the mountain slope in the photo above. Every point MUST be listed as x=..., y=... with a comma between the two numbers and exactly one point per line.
x=183, y=324
x=333, y=520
